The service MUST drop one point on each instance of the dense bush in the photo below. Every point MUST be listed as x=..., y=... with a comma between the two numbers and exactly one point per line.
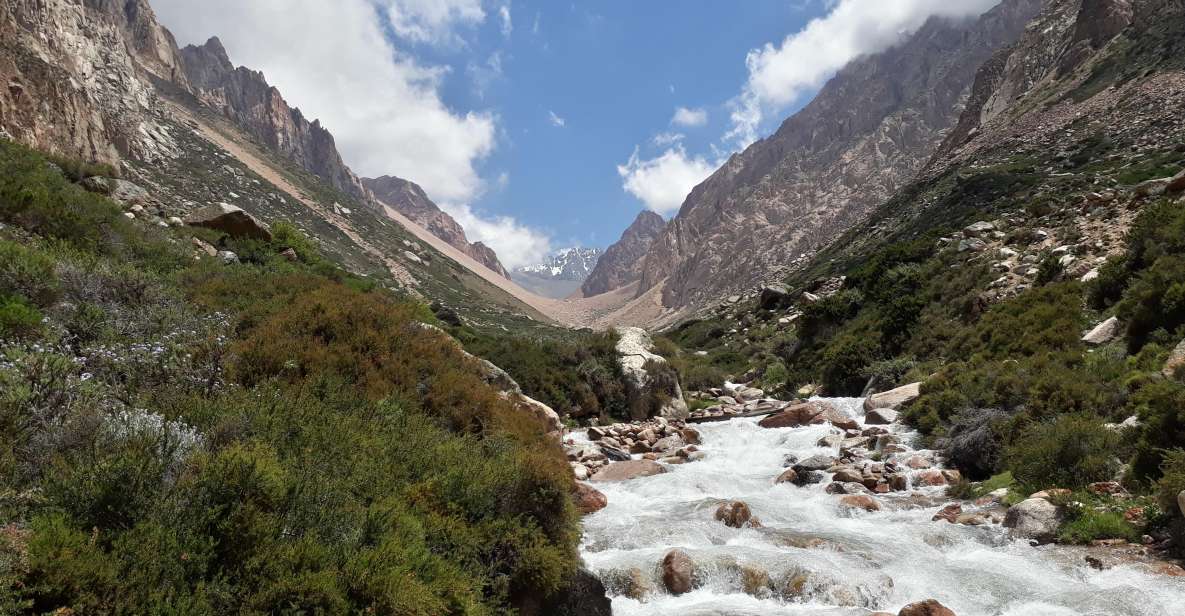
x=1071, y=451
x=198, y=438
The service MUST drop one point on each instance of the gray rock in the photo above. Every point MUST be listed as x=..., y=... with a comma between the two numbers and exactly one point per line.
x=774, y=297
x=894, y=398
x=979, y=229
x=1103, y=332
x=230, y=220
x=128, y=193
x=814, y=463
x=973, y=244
x=1175, y=361
x=1035, y=519
x=228, y=257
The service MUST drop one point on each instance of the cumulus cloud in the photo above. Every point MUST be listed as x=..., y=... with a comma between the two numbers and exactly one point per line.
x=663, y=182
x=516, y=244
x=780, y=75
x=382, y=105
x=556, y=120
x=689, y=117
x=432, y=21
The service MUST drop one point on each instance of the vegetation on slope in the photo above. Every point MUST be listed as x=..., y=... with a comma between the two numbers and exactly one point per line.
x=184, y=436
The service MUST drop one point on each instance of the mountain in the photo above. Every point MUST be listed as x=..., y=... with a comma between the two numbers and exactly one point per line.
x=102, y=81
x=245, y=97
x=621, y=265
x=561, y=274
x=410, y=200
x=867, y=133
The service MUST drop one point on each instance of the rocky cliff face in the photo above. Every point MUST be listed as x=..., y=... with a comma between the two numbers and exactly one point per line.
x=245, y=97
x=621, y=264
x=71, y=71
x=411, y=201
x=868, y=132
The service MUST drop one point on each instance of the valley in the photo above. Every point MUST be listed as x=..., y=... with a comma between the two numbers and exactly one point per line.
x=919, y=351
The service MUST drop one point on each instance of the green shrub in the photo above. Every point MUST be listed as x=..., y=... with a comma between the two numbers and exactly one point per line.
x=1070, y=452
x=1172, y=481
x=17, y=318
x=1089, y=525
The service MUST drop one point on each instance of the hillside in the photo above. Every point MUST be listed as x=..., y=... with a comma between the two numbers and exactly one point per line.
x=865, y=135
x=1024, y=283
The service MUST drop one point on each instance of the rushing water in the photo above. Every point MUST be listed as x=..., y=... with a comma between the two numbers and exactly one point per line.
x=866, y=561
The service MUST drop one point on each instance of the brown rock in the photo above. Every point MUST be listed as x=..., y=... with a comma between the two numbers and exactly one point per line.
x=789, y=476
x=677, y=572
x=929, y=607
x=796, y=416
x=630, y=469
x=691, y=436
x=848, y=475
x=929, y=478
x=860, y=501
x=734, y=515
x=588, y=499
x=949, y=513
x=755, y=581
x=893, y=399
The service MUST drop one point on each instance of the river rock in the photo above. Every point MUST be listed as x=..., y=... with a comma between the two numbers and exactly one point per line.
x=678, y=571
x=838, y=419
x=796, y=416
x=630, y=469
x=1035, y=519
x=929, y=607
x=880, y=416
x=814, y=463
x=860, y=501
x=755, y=581
x=588, y=499
x=845, y=475
x=1103, y=332
x=735, y=514
x=894, y=398
x=949, y=513
x=691, y=436
x=789, y=476
x=637, y=585
x=230, y=220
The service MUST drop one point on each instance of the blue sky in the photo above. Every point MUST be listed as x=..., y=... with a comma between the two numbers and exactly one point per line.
x=615, y=74
x=537, y=124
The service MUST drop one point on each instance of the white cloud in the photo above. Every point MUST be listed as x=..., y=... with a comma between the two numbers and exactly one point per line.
x=507, y=23
x=689, y=117
x=383, y=106
x=663, y=183
x=556, y=120
x=431, y=21
x=663, y=140
x=780, y=75
x=515, y=243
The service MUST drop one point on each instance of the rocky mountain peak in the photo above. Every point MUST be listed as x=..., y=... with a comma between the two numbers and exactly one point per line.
x=561, y=274
x=869, y=131
x=409, y=199
x=621, y=265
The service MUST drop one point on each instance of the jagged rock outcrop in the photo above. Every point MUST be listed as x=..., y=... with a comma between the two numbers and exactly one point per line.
x=70, y=78
x=867, y=133
x=561, y=274
x=410, y=200
x=245, y=97
x=621, y=264
x=653, y=386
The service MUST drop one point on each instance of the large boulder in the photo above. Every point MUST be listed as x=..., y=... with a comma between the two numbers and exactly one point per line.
x=123, y=191
x=230, y=220
x=582, y=595
x=894, y=398
x=880, y=417
x=1035, y=519
x=929, y=607
x=795, y=416
x=774, y=296
x=630, y=469
x=588, y=499
x=635, y=352
x=678, y=572
x=1103, y=332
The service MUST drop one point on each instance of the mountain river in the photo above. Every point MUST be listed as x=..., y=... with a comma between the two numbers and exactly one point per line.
x=842, y=562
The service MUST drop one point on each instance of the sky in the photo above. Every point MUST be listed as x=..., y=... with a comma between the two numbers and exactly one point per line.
x=541, y=124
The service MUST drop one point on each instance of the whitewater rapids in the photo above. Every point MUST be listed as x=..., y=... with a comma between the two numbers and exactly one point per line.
x=856, y=562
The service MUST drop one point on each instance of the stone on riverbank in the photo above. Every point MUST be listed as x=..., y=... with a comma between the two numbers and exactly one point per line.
x=894, y=398
x=588, y=499
x=1035, y=519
